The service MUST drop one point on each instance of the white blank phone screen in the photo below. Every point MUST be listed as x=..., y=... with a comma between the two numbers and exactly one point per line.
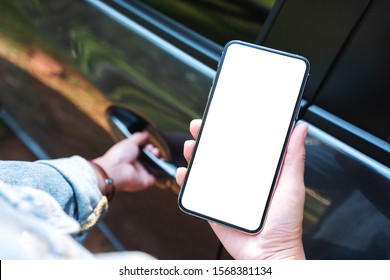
x=243, y=136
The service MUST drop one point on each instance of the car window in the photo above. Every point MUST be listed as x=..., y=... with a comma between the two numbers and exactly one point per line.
x=358, y=89
x=220, y=21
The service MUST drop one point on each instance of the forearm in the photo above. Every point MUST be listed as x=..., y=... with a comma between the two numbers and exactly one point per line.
x=71, y=181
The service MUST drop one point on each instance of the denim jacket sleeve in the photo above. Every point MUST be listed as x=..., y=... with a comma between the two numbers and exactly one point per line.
x=71, y=181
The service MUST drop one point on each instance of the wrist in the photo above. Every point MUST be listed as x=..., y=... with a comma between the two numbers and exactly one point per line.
x=105, y=182
x=288, y=250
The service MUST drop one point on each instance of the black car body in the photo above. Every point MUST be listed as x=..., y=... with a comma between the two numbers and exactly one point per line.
x=69, y=68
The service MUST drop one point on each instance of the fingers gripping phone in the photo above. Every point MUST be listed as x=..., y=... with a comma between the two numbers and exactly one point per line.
x=253, y=104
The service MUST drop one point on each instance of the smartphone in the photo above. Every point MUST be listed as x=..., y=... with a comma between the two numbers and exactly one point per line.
x=252, y=107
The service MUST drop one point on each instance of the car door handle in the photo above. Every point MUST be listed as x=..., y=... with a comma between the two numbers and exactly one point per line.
x=160, y=168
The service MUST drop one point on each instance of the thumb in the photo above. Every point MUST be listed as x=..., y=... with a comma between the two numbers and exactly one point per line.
x=139, y=138
x=294, y=162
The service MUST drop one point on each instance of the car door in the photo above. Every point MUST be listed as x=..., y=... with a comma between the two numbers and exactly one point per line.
x=73, y=70
x=150, y=64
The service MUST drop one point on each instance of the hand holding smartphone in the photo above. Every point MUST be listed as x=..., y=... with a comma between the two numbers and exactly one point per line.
x=253, y=104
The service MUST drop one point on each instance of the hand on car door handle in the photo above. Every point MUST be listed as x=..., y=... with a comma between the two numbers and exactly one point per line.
x=156, y=166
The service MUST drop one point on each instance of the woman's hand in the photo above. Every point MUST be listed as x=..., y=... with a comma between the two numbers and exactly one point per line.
x=121, y=164
x=281, y=237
